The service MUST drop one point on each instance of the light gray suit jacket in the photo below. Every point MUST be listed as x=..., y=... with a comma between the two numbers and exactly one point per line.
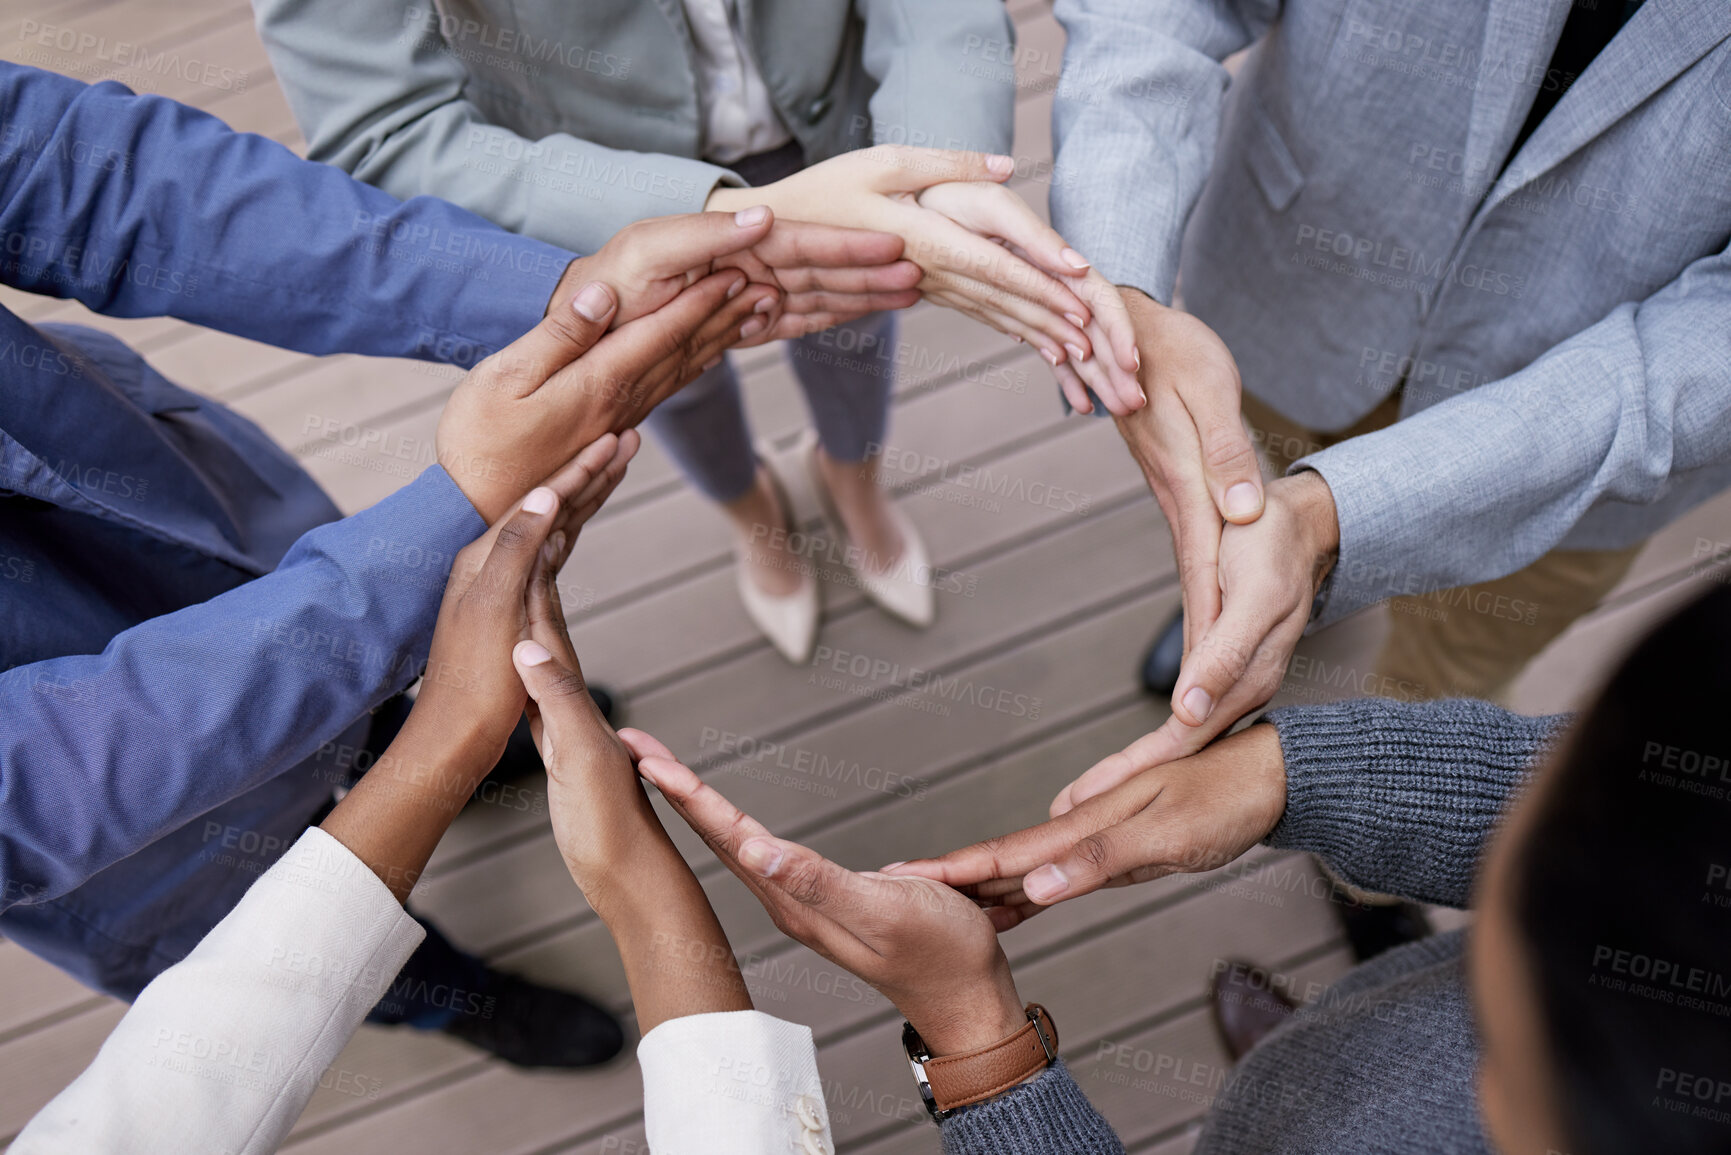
x=569, y=119
x=1564, y=331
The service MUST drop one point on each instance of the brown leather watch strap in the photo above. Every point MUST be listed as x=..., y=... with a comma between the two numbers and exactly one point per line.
x=977, y=1075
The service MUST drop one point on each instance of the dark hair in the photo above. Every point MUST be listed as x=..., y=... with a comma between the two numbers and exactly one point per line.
x=1622, y=895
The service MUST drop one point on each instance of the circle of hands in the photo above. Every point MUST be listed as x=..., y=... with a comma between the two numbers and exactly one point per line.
x=876, y=229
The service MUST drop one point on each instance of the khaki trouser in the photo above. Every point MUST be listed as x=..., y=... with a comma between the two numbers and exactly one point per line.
x=1475, y=640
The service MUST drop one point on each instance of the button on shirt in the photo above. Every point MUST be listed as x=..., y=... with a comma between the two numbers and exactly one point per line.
x=739, y=118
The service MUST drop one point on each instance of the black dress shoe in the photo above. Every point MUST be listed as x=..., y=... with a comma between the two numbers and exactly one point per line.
x=1245, y=1007
x=1372, y=928
x=528, y=1025
x=1160, y=666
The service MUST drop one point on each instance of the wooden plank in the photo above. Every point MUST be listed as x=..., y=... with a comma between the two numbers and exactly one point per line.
x=35, y=1067
x=36, y=992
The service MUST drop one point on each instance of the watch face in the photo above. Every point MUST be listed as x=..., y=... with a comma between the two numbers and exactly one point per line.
x=918, y=1055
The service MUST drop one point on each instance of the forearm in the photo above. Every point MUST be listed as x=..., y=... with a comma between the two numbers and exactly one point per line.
x=1402, y=797
x=677, y=958
x=189, y=222
x=185, y=711
x=1135, y=124
x=944, y=73
x=1632, y=411
x=380, y=94
x=395, y=815
x=224, y=1049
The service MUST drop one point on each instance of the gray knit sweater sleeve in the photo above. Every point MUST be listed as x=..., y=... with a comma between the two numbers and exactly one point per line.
x=1402, y=797
x=1050, y=1116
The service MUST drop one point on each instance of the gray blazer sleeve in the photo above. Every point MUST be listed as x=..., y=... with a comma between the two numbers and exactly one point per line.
x=1135, y=120
x=376, y=98
x=1402, y=797
x=1629, y=410
x=943, y=72
x=1050, y=1116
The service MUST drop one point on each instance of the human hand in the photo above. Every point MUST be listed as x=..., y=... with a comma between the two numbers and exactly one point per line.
x=998, y=214
x=824, y=274
x=531, y=406
x=469, y=688
x=1191, y=446
x=1184, y=816
x=922, y=945
x=1270, y=572
x=881, y=188
x=677, y=958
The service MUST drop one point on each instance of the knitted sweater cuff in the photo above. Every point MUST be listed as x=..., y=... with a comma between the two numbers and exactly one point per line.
x=1049, y=1116
x=1402, y=797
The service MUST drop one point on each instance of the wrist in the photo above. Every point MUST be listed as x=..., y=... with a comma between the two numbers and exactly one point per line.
x=991, y=1012
x=1313, y=505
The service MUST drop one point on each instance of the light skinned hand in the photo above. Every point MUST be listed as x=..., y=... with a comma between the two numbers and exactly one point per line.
x=880, y=189
x=922, y=945
x=1185, y=816
x=823, y=274
x=530, y=407
x=1270, y=572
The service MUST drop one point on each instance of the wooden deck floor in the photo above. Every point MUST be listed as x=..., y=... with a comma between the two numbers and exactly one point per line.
x=1054, y=606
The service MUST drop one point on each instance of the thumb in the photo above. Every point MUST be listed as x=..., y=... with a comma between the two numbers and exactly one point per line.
x=1092, y=862
x=567, y=332
x=559, y=693
x=910, y=169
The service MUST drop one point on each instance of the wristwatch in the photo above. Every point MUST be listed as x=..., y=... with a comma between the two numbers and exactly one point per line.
x=956, y=1081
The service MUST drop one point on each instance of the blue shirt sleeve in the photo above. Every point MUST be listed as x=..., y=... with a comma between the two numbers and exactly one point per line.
x=137, y=206
x=102, y=754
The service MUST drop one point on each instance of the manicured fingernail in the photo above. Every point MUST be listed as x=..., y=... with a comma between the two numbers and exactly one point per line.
x=760, y=857
x=1136, y=354
x=532, y=654
x=764, y=305
x=753, y=327
x=593, y=301
x=1243, y=500
x=752, y=217
x=1074, y=259
x=1045, y=884
x=1075, y=351
x=541, y=500
x=1198, y=702
x=1050, y=356
x=1000, y=165
x=733, y=289
x=1075, y=320
x=1015, y=338
x=712, y=365
x=885, y=869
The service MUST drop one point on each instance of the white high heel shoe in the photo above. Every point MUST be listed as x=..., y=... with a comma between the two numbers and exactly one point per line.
x=789, y=621
x=905, y=590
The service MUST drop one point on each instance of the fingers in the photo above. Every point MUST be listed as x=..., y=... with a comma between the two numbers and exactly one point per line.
x=517, y=548
x=1097, y=860
x=1229, y=461
x=994, y=211
x=556, y=689
x=666, y=246
x=568, y=331
x=898, y=277
x=1007, y=856
x=1074, y=389
x=637, y=364
x=644, y=745
x=960, y=262
x=805, y=247
x=849, y=305
x=904, y=168
x=750, y=850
